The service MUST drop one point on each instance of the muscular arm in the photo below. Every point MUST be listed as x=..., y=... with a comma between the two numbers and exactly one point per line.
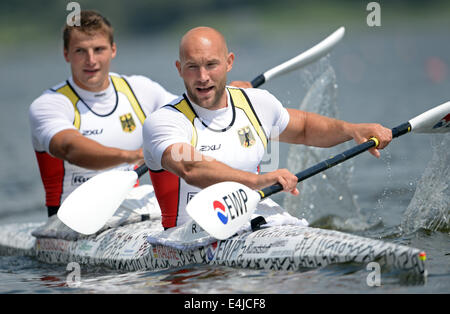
x=70, y=145
x=315, y=130
x=202, y=171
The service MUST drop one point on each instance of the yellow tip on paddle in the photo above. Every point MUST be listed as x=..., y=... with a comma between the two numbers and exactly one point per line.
x=422, y=256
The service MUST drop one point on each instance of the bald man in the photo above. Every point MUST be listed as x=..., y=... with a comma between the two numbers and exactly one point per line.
x=215, y=133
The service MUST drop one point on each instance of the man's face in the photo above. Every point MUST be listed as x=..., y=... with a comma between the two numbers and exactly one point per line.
x=204, y=71
x=90, y=57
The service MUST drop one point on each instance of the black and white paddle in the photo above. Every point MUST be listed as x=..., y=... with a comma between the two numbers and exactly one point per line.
x=223, y=208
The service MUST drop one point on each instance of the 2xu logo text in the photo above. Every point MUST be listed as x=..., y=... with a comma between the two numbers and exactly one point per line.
x=235, y=206
x=207, y=148
x=92, y=132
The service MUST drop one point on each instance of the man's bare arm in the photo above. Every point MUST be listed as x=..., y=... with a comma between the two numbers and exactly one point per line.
x=79, y=150
x=316, y=130
x=202, y=171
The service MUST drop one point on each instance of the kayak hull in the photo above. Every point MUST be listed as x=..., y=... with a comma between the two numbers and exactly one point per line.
x=287, y=247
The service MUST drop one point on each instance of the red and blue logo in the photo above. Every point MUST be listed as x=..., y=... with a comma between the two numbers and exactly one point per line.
x=221, y=213
x=444, y=123
x=211, y=251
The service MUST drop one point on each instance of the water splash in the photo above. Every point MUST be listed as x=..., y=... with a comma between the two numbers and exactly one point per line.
x=325, y=200
x=429, y=208
x=387, y=193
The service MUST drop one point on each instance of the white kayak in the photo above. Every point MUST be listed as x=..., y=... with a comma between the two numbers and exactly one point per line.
x=145, y=246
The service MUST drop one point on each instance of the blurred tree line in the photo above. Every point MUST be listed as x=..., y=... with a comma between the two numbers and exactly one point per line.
x=40, y=18
x=136, y=16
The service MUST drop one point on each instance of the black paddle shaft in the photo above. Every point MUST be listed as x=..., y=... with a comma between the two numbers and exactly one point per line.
x=324, y=165
x=258, y=81
x=141, y=170
x=333, y=161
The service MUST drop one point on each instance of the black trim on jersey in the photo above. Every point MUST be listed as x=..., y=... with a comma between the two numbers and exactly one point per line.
x=205, y=125
x=132, y=91
x=157, y=171
x=254, y=112
x=175, y=108
x=90, y=109
x=171, y=106
x=190, y=105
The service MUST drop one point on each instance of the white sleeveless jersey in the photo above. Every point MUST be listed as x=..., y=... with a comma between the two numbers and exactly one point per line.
x=119, y=128
x=238, y=146
x=115, y=119
x=239, y=142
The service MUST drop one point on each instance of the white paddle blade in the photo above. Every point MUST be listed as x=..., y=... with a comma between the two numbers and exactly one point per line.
x=436, y=120
x=309, y=56
x=92, y=204
x=222, y=209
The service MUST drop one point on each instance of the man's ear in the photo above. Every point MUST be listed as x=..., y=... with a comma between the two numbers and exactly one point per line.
x=230, y=60
x=66, y=55
x=178, y=65
x=114, y=50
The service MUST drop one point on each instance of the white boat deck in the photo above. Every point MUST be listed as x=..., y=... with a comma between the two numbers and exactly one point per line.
x=287, y=247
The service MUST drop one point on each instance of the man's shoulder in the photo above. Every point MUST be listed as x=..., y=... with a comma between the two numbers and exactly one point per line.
x=148, y=90
x=168, y=114
x=171, y=107
x=54, y=90
x=51, y=95
x=135, y=79
x=57, y=86
x=257, y=96
x=175, y=101
x=253, y=92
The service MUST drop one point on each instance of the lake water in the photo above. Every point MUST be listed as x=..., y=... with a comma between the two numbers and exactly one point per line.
x=387, y=76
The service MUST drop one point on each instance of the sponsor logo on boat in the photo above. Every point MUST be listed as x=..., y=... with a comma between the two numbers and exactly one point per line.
x=54, y=245
x=211, y=251
x=229, y=250
x=444, y=123
x=235, y=206
x=85, y=246
x=253, y=248
x=165, y=252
